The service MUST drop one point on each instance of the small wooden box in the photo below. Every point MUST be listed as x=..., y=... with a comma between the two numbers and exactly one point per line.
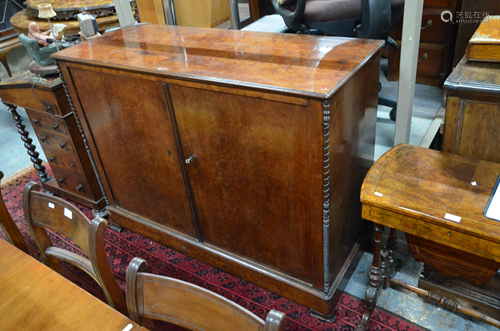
x=484, y=46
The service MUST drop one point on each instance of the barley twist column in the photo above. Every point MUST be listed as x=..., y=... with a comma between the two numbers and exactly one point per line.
x=37, y=162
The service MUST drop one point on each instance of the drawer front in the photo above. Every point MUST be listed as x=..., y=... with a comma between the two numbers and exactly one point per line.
x=41, y=121
x=430, y=57
x=64, y=161
x=441, y=235
x=54, y=142
x=434, y=29
x=431, y=60
x=71, y=179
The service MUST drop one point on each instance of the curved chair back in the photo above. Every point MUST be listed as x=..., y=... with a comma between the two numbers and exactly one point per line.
x=152, y=297
x=42, y=211
x=10, y=227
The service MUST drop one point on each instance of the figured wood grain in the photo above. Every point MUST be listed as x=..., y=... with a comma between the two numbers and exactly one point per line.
x=484, y=46
x=255, y=192
x=154, y=297
x=303, y=65
x=467, y=29
x=438, y=200
x=34, y=297
x=420, y=186
x=263, y=180
x=472, y=111
x=452, y=262
x=146, y=167
x=479, y=135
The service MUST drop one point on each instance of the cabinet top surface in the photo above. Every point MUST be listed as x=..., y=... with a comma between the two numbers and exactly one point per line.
x=427, y=184
x=474, y=77
x=299, y=64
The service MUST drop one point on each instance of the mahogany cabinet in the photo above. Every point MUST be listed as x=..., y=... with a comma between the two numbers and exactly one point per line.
x=55, y=126
x=244, y=150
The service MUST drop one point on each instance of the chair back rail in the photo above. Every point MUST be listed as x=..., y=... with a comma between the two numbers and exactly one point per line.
x=44, y=211
x=154, y=297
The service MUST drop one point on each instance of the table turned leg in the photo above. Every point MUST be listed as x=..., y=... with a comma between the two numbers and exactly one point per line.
x=375, y=277
x=37, y=162
x=391, y=248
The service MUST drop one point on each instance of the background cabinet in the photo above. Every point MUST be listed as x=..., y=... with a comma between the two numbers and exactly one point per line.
x=437, y=42
x=56, y=127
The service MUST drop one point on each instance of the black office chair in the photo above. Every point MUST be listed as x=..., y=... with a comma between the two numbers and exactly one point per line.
x=368, y=19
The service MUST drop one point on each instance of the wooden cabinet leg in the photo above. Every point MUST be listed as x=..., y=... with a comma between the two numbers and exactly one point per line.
x=37, y=162
x=375, y=277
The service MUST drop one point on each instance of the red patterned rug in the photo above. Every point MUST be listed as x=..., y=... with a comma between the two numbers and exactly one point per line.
x=122, y=247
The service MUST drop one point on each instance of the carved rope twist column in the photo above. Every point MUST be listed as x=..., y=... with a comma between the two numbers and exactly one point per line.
x=326, y=193
x=80, y=129
x=37, y=162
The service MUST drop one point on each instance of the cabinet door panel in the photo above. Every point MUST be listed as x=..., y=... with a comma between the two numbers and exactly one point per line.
x=250, y=175
x=479, y=131
x=132, y=131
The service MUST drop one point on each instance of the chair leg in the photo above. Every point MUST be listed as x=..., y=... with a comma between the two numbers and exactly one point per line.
x=3, y=59
x=3, y=56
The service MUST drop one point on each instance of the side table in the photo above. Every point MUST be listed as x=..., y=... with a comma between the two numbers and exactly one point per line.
x=438, y=198
x=57, y=128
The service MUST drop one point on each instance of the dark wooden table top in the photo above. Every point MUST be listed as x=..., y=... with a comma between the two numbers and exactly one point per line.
x=474, y=77
x=34, y=297
x=298, y=64
x=426, y=185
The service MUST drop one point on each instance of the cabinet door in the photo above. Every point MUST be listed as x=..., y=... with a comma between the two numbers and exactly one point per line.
x=131, y=128
x=250, y=175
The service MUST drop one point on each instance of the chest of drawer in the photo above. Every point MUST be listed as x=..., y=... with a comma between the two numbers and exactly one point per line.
x=42, y=121
x=434, y=30
x=429, y=67
x=55, y=142
x=70, y=175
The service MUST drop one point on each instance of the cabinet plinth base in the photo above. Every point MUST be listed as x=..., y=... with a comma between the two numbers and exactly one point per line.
x=322, y=305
